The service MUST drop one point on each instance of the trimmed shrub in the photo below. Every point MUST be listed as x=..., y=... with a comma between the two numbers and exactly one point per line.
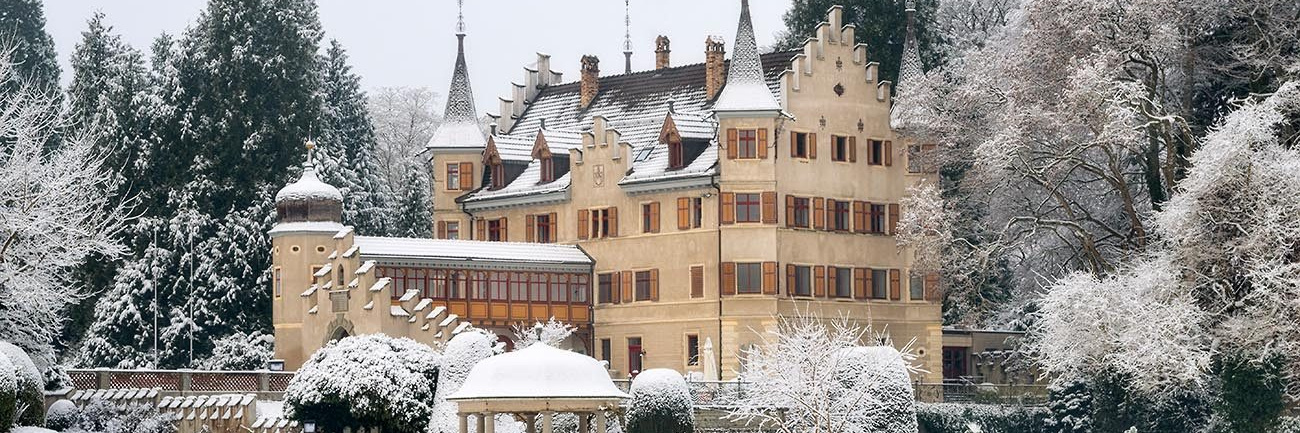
x=661, y=403
x=366, y=381
x=30, y=394
x=957, y=418
x=8, y=394
x=62, y=415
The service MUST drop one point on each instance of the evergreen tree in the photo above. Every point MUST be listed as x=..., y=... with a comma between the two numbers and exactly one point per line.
x=347, y=146
x=23, y=24
x=880, y=24
x=414, y=206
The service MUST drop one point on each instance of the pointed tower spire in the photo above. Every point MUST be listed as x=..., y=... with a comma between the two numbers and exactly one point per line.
x=459, y=127
x=909, y=71
x=627, y=36
x=746, y=88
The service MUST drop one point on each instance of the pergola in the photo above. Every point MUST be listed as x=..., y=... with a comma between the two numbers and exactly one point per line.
x=537, y=380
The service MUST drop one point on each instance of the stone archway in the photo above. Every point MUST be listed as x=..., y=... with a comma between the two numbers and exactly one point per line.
x=339, y=328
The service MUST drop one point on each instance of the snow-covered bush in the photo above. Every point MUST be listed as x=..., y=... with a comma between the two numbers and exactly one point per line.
x=8, y=394
x=459, y=356
x=1071, y=406
x=101, y=416
x=661, y=403
x=882, y=372
x=959, y=418
x=366, y=381
x=62, y=415
x=240, y=351
x=29, y=394
x=553, y=333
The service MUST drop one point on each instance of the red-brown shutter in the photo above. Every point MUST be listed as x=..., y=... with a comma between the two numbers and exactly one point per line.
x=480, y=226
x=466, y=176
x=584, y=223
x=832, y=281
x=654, y=284
x=860, y=283
x=529, y=232
x=819, y=281
x=859, y=217
x=789, y=210
x=613, y=222
x=683, y=213
x=819, y=213
x=794, y=138
x=812, y=146
x=654, y=217
x=629, y=282
x=442, y=230
x=769, y=278
x=615, y=287
x=871, y=283
x=505, y=227
x=889, y=153
x=727, y=208
x=790, y=283
x=932, y=286
x=853, y=149
x=893, y=218
x=555, y=234
x=830, y=214
x=762, y=143
x=697, y=281
x=768, y=200
x=728, y=278
x=895, y=285
x=733, y=142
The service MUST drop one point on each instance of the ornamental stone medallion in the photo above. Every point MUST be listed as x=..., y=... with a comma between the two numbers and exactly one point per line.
x=598, y=174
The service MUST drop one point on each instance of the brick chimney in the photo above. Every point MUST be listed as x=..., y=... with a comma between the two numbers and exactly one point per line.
x=661, y=52
x=714, y=52
x=590, y=79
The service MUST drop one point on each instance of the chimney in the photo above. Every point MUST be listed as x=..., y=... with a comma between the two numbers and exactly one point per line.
x=714, y=52
x=661, y=52
x=590, y=79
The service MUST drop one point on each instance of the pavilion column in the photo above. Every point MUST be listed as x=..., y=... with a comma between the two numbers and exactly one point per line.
x=530, y=423
x=489, y=422
x=464, y=422
x=546, y=421
x=600, y=421
x=482, y=424
x=584, y=423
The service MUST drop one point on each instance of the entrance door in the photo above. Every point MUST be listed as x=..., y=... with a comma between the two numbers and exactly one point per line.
x=634, y=355
x=954, y=362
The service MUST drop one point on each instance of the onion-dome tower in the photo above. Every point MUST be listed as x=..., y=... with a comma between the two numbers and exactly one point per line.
x=309, y=199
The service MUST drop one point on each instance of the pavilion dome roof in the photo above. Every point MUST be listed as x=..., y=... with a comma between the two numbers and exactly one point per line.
x=309, y=188
x=538, y=371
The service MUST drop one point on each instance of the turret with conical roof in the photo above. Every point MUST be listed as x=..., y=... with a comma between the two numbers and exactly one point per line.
x=459, y=127
x=909, y=70
x=746, y=90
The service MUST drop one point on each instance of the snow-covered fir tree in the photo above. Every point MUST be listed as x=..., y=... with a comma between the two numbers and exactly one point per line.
x=414, y=206
x=347, y=147
x=29, y=48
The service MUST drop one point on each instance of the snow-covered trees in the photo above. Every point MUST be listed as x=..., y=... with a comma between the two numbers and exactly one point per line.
x=240, y=351
x=366, y=381
x=661, y=403
x=347, y=147
x=551, y=333
x=32, y=50
x=404, y=120
x=879, y=24
x=810, y=375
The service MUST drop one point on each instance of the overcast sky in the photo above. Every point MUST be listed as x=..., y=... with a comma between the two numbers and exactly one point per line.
x=411, y=42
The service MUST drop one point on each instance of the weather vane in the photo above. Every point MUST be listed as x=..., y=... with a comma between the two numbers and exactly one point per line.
x=460, y=17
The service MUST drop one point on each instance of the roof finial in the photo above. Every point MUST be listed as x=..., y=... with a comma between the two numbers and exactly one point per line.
x=311, y=147
x=627, y=35
x=460, y=17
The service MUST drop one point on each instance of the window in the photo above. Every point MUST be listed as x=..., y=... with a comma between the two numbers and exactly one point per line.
x=800, y=213
x=799, y=145
x=697, y=281
x=339, y=276
x=650, y=217
x=453, y=176
x=542, y=228
x=633, y=355
x=453, y=286
x=839, y=148
x=601, y=223
x=499, y=285
x=548, y=169
x=496, y=229
x=578, y=289
x=876, y=155
x=802, y=284
x=606, y=287
x=878, y=218
x=748, y=144
x=749, y=277
x=692, y=349
x=748, y=208
x=879, y=284
x=843, y=282
x=605, y=349
x=841, y=215
x=277, y=282
x=643, y=286
x=916, y=287
x=697, y=212
x=453, y=229
x=675, y=160
x=498, y=176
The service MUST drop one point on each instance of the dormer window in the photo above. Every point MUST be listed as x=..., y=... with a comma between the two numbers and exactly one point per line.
x=675, y=159
x=498, y=176
x=548, y=169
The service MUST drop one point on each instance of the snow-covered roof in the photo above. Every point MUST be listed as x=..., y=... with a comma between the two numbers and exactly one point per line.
x=538, y=371
x=746, y=90
x=909, y=71
x=308, y=187
x=469, y=251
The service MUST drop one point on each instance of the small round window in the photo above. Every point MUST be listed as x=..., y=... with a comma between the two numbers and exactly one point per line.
x=294, y=248
x=320, y=248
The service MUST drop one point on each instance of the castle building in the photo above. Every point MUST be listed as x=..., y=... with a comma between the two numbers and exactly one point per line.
x=663, y=212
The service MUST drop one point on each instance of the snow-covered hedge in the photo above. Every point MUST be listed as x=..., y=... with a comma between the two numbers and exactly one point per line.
x=62, y=415
x=30, y=385
x=882, y=372
x=661, y=403
x=240, y=351
x=366, y=381
x=958, y=418
x=8, y=389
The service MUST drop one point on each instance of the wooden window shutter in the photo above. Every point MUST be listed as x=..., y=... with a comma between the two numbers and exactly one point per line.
x=762, y=143
x=654, y=217
x=505, y=227
x=769, y=278
x=613, y=222
x=895, y=285
x=893, y=218
x=853, y=149
x=819, y=213
x=480, y=226
x=697, y=281
x=530, y=231
x=819, y=281
x=728, y=278
x=555, y=235
x=733, y=143
x=889, y=153
x=859, y=217
x=654, y=284
x=584, y=223
x=683, y=213
x=768, y=200
x=830, y=214
x=789, y=210
x=812, y=146
x=442, y=230
x=871, y=284
x=727, y=208
x=466, y=176
x=932, y=286
x=629, y=281
x=832, y=281
x=794, y=137
x=616, y=287
x=860, y=283
x=790, y=283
